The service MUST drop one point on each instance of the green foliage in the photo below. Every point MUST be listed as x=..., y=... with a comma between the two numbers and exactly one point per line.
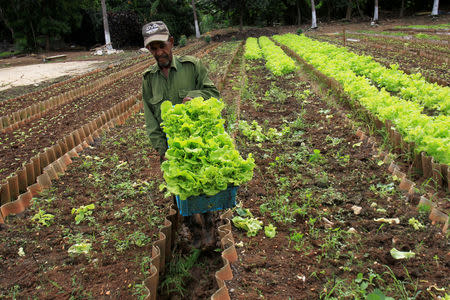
x=270, y=231
x=208, y=38
x=252, y=49
x=30, y=20
x=276, y=60
x=202, y=158
x=251, y=225
x=43, y=218
x=252, y=131
x=415, y=224
x=179, y=273
x=183, y=40
x=83, y=212
x=430, y=134
x=80, y=248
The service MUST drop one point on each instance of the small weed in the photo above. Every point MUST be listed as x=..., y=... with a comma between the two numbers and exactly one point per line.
x=178, y=273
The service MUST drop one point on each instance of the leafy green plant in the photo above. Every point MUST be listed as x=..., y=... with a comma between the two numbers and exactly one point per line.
x=202, y=158
x=252, y=49
x=183, y=40
x=178, y=273
x=415, y=224
x=430, y=134
x=43, y=218
x=276, y=60
x=83, y=212
x=298, y=239
x=251, y=225
x=270, y=231
x=80, y=248
x=316, y=157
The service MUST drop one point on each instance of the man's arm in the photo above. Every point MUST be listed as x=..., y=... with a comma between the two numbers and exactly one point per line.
x=204, y=86
x=154, y=132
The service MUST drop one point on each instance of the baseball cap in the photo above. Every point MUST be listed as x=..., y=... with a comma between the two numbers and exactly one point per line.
x=155, y=31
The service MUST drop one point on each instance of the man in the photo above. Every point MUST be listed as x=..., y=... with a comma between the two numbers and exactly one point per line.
x=177, y=79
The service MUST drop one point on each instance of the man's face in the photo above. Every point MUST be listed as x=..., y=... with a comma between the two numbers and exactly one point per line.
x=162, y=52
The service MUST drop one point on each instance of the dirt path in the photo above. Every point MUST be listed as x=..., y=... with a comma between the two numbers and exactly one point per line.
x=35, y=74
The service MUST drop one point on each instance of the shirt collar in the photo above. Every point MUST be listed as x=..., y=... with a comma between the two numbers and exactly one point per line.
x=175, y=64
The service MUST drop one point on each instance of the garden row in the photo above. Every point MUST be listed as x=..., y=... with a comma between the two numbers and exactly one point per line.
x=17, y=111
x=409, y=61
x=322, y=218
x=80, y=214
x=26, y=143
x=410, y=87
x=429, y=134
x=402, y=35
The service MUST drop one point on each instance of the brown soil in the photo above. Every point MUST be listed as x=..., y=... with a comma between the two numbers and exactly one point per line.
x=120, y=175
x=301, y=194
x=308, y=267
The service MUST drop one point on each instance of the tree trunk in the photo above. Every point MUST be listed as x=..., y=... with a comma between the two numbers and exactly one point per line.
x=106, y=27
x=434, y=12
x=361, y=14
x=402, y=9
x=313, y=13
x=3, y=17
x=348, y=15
x=375, y=13
x=241, y=18
x=299, y=14
x=34, y=35
x=328, y=11
x=197, y=30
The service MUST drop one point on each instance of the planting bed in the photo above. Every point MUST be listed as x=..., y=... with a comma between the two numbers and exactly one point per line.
x=18, y=146
x=121, y=180
x=409, y=62
x=337, y=210
x=119, y=175
x=306, y=183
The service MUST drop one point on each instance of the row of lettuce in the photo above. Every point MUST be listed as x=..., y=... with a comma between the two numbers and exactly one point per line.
x=358, y=74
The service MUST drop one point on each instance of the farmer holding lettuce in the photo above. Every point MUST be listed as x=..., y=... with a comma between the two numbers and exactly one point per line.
x=177, y=79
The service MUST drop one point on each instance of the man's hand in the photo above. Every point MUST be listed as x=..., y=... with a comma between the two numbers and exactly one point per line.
x=186, y=99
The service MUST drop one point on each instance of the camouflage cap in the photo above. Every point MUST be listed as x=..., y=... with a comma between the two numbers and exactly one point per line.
x=155, y=31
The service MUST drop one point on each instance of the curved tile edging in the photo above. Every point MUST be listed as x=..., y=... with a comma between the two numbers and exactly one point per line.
x=229, y=255
x=406, y=185
x=16, y=193
x=16, y=119
x=162, y=254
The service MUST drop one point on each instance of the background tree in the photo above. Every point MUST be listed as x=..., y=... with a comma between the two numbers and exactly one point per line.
x=106, y=26
x=375, y=12
x=313, y=15
x=197, y=30
x=434, y=12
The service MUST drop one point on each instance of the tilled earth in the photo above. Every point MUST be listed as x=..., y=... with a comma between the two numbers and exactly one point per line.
x=321, y=245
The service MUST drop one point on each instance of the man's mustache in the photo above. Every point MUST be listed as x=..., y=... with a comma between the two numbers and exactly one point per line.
x=162, y=56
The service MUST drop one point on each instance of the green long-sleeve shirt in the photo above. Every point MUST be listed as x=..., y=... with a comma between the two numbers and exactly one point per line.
x=188, y=77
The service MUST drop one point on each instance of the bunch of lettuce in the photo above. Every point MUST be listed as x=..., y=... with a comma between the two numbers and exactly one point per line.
x=252, y=50
x=201, y=158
